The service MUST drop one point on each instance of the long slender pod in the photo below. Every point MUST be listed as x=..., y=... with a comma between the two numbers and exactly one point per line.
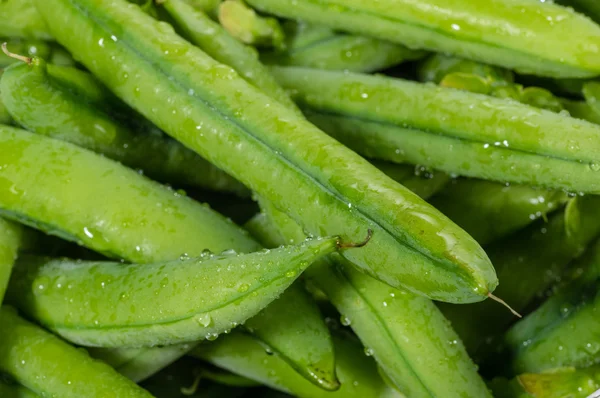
x=450, y=130
x=196, y=299
x=411, y=341
x=215, y=41
x=518, y=34
x=217, y=113
x=490, y=211
x=528, y=263
x=241, y=354
x=49, y=366
x=21, y=19
x=91, y=200
x=65, y=108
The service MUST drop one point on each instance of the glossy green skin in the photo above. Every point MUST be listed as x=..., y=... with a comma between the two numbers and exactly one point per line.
x=309, y=349
x=422, y=182
x=89, y=199
x=244, y=24
x=29, y=354
x=411, y=341
x=344, y=52
x=156, y=304
x=15, y=391
x=58, y=109
x=560, y=383
x=214, y=40
x=241, y=354
x=563, y=331
x=489, y=211
x=528, y=263
x=450, y=130
x=518, y=34
x=138, y=364
x=10, y=241
x=21, y=19
x=272, y=150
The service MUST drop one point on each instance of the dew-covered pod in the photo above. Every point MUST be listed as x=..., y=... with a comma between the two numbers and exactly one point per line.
x=271, y=149
x=106, y=304
x=455, y=131
x=525, y=35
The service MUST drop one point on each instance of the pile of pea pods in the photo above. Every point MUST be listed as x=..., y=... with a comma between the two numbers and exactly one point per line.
x=307, y=198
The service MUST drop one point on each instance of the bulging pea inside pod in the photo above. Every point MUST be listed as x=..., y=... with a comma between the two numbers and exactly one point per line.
x=109, y=304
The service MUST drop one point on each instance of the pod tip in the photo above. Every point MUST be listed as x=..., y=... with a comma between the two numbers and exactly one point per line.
x=499, y=300
x=356, y=245
x=22, y=58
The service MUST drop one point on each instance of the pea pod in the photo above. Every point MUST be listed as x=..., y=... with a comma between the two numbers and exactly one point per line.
x=108, y=207
x=528, y=262
x=21, y=19
x=514, y=34
x=409, y=338
x=242, y=131
x=449, y=130
x=29, y=355
x=59, y=108
x=187, y=305
x=561, y=332
x=243, y=355
x=558, y=383
x=245, y=25
x=54, y=53
x=326, y=49
x=213, y=39
x=15, y=391
x=10, y=240
x=489, y=211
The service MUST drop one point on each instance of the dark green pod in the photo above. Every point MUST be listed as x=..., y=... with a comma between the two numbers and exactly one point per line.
x=450, y=130
x=272, y=150
x=490, y=211
x=69, y=107
x=525, y=35
x=49, y=366
x=15, y=391
x=10, y=242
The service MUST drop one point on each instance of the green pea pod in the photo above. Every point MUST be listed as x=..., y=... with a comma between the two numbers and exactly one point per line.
x=421, y=181
x=48, y=366
x=43, y=105
x=10, y=240
x=21, y=19
x=187, y=305
x=490, y=211
x=242, y=131
x=411, y=341
x=581, y=110
x=35, y=48
x=515, y=34
x=557, y=383
x=15, y=391
x=213, y=39
x=344, y=52
x=528, y=263
x=449, y=130
x=299, y=34
x=437, y=66
x=241, y=354
x=245, y=25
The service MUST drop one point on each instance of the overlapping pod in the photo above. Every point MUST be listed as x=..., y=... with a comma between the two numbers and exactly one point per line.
x=519, y=34
x=241, y=354
x=562, y=332
x=528, y=263
x=271, y=149
x=489, y=211
x=103, y=205
x=156, y=304
x=49, y=366
x=421, y=181
x=29, y=47
x=413, y=344
x=450, y=130
x=322, y=48
x=214, y=40
x=243, y=23
x=66, y=106
x=21, y=19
